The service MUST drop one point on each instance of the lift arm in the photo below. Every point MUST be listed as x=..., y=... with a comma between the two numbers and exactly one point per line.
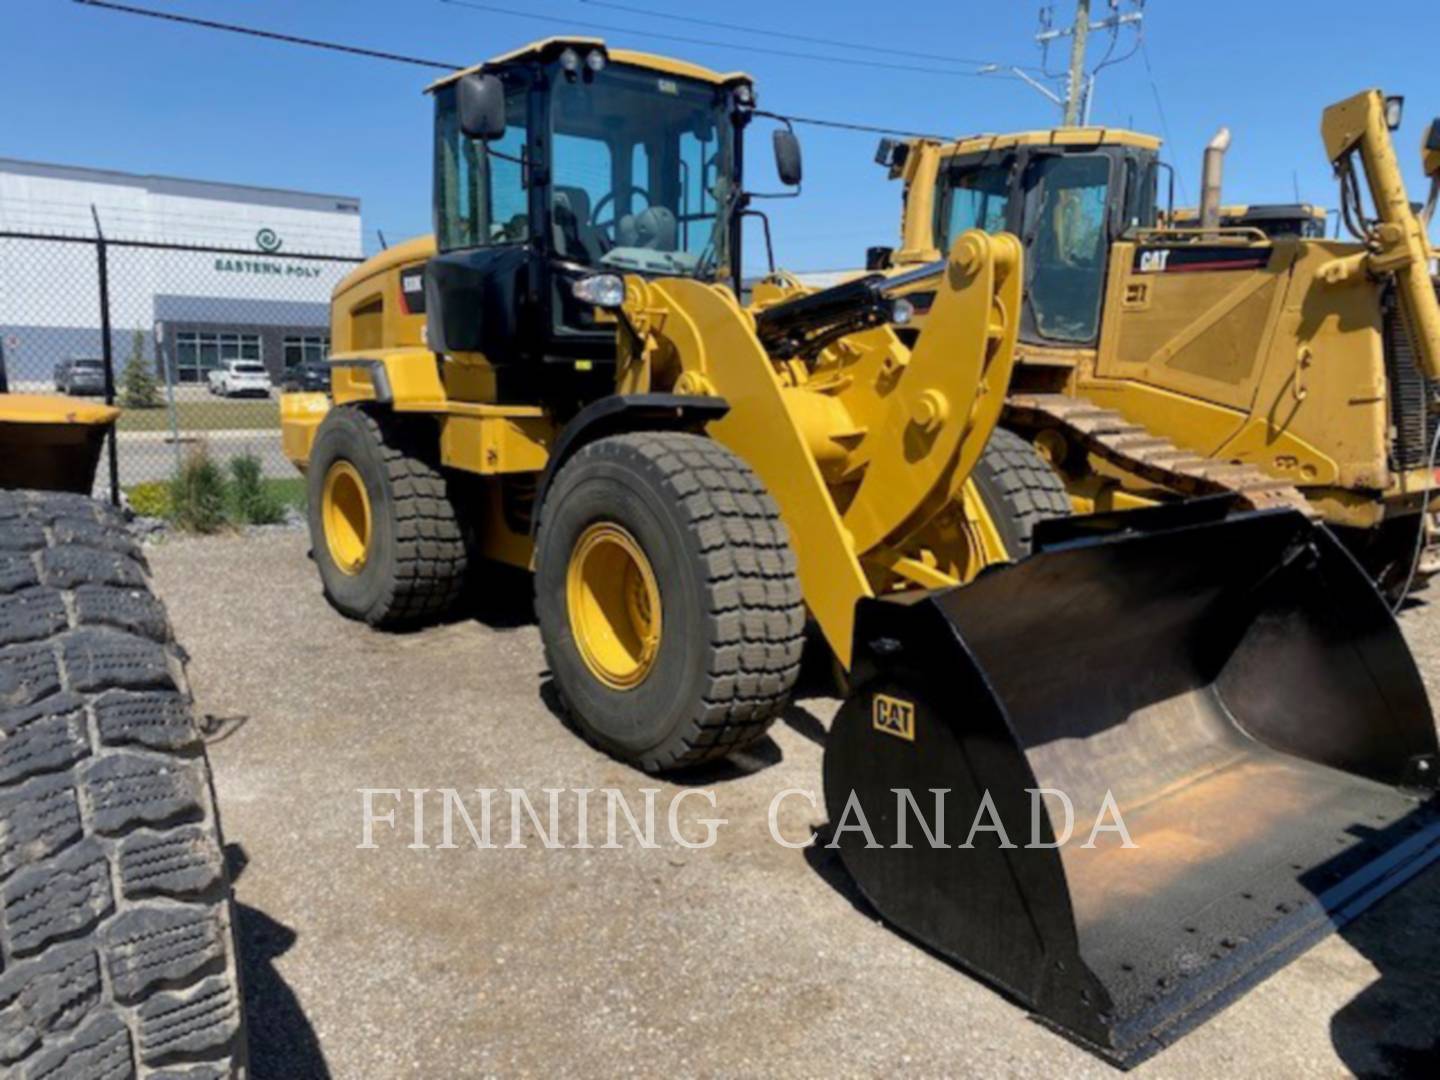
x=1398, y=241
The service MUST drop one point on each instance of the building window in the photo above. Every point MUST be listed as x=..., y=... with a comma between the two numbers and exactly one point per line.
x=198, y=353
x=299, y=349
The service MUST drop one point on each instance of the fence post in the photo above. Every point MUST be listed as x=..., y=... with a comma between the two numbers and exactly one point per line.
x=169, y=394
x=107, y=351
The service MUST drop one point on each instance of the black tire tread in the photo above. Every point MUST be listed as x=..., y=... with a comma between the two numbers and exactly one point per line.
x=431, y=554
x=1012, y=472
x=756, y=611
x=114, y=908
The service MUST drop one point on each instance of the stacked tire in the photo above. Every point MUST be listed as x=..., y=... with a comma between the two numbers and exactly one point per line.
x=117, y=948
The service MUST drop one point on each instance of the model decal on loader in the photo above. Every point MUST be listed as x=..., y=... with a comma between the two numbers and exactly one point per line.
x=895, y=717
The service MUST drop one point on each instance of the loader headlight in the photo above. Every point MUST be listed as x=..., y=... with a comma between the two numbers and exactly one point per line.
x=595, y=61
x=570, y=61
x=1394, y=110
x=745, y=94
x=603, y=290
x=901, y=312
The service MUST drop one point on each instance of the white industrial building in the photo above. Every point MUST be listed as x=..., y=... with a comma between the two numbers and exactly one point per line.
x=193, y=309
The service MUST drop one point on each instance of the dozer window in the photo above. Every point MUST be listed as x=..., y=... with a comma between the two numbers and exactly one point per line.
x=641, y=167
x=480, y=198
x=1064, y=230
x=971, y=199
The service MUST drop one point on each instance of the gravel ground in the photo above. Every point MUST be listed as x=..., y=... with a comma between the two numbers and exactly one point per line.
x=741, y=959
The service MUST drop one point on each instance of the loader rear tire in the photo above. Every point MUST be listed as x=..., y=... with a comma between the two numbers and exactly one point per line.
x=691, y=524
x=117, y=931
x=384, y=530
x=1019, y=489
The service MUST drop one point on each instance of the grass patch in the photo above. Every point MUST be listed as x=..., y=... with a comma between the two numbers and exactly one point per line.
x=216, y=415
x=156, y=498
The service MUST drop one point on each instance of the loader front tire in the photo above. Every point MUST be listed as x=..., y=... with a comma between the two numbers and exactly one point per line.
x=117, y=932
x=1019, y=490
x=384, y=531
x=667, y=598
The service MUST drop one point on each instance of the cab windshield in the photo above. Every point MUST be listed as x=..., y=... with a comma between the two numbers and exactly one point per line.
x=640, y=178
x=641, y=172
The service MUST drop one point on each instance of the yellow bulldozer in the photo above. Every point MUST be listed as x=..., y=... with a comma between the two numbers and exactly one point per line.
x=564, y=378
x=1229, y=349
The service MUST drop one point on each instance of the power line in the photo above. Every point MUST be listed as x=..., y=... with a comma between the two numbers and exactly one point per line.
x=710, y=42
x=333, y=46
x=1160, y=108
x=791, y=37
x=271, y=35
x=845, y=125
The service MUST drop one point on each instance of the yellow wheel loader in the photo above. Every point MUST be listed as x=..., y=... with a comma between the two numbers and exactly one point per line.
x=1236, y=350
x=565, y=378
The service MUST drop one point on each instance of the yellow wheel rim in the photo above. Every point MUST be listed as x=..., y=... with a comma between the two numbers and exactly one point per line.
x=345, y=511
x=614, y=606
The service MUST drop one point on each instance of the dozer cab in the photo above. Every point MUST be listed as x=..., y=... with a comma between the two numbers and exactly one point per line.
x=565, y=378
x=1165, y=355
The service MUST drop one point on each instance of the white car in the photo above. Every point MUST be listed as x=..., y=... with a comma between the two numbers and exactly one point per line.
x=240, y=378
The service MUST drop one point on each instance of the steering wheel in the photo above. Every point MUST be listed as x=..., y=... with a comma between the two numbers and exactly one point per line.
x=609, y=198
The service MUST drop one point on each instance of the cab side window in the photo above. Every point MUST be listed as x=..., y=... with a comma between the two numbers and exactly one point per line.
x=480, y=198
x=975, y=198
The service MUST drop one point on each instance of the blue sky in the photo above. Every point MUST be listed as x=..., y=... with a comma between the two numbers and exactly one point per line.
x=91, y=87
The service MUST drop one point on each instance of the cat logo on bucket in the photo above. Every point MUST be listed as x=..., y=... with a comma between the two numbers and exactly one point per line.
x=894, y=717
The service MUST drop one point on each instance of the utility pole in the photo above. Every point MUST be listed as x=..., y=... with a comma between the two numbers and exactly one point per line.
x=1080, y=33
x=1075, y=105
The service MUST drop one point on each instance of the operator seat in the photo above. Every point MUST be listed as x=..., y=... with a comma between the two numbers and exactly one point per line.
x=575, y=236
x=652, y=228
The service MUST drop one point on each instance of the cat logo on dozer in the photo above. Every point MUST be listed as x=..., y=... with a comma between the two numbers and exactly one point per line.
x=895, y=717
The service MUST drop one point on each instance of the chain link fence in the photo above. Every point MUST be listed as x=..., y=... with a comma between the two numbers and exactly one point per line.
x=195, y=344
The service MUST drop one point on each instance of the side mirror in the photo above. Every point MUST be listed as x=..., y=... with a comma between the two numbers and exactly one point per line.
x=787, y=157
x=1431, y=150
x=481, y=103
x=892, y=153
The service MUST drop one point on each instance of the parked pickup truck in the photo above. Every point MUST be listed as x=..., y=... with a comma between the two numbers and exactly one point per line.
x=240, y=378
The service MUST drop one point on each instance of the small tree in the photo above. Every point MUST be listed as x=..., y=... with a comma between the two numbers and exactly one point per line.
x=198, y=494
x=251, y=501
x=138, y=388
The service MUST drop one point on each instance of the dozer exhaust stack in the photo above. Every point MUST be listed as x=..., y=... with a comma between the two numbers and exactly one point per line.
x=1230, y=689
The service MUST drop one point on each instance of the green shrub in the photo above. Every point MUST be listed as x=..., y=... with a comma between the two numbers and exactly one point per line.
x=138, y=388
x=150, y=499
x=197, y=495
x=252, y=502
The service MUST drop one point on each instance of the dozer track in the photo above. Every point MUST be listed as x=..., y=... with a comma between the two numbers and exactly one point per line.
x=1136, y=450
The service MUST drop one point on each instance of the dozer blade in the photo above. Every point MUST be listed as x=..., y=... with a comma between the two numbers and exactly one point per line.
x=1238, y=686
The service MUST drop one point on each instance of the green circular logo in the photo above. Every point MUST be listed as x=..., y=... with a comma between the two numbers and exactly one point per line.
x=268, y=240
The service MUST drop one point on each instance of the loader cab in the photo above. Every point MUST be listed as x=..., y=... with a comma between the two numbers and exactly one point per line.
x=1067, y=201
x=596, y=163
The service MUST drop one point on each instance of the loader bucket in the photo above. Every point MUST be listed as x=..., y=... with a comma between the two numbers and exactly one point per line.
x=1236, y=684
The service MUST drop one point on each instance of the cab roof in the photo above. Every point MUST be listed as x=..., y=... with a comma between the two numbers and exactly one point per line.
x=1065, y=136
x=543, y=50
